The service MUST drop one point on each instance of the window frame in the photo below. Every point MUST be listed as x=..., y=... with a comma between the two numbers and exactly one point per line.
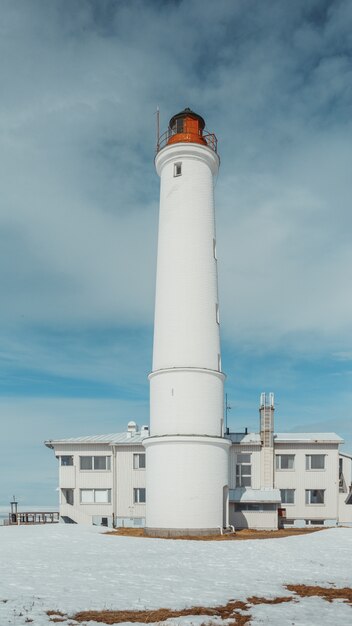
x=107, y=458
x=309, y=467
x=136, y=460
x=94, y=491
x=241, y=467
x=66, y=456
x=258, y=507
x=64, y=492
x=177, y=169
x=308, y=497
x=285, y=502
x=278, y=462
x=137, y=492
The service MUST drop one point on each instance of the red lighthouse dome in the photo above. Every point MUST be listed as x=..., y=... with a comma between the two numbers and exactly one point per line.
x=187, y=127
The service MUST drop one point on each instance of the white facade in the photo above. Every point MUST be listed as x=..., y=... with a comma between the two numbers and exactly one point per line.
x=102, y=479
x=249, y=503
x=187, y=454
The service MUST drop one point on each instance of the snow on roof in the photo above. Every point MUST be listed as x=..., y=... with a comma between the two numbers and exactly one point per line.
x=310, y=437
x=255, y=495
x=244, y=437
x=112, y=439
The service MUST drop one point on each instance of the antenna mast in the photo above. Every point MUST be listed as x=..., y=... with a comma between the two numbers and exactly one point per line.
x=157, y=128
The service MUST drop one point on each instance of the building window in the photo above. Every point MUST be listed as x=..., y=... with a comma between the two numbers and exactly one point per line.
x=214, y=249
x=139, y=461
x=285, y=461
x=287, y=496
x=95, y=496
x=95, y=463
x=67, y=495
x=243, y=470
x=178, y=169
x=315, y=496
x=139, y=495
x=217, y=313
x=315, y=461
x=255, y=506
x=66, y=460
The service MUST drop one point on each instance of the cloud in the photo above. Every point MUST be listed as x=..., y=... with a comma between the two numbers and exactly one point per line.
x=78, y=220
x=79, y=192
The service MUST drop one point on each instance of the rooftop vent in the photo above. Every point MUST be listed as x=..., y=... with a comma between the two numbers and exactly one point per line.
x=132, y=427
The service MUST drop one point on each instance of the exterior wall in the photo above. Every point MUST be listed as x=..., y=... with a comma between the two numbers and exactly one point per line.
x=345, y=510
x=259, y=520
x=187, y=456
x=127, y=479
x=186, y=332
x=301, y=479
x=255, y=451
x=207, y=481
x=187, y=482
x=122, y=478
x=187, y=401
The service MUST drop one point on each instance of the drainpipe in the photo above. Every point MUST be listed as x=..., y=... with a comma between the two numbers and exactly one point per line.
x=114, y=491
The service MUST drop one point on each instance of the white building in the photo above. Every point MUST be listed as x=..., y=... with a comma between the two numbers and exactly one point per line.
x=102, y=479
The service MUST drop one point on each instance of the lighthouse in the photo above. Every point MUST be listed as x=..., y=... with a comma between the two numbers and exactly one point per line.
x=186, y=452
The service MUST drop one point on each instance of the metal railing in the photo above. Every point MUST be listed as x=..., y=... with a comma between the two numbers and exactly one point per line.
x=209, y=138
x=33, y=517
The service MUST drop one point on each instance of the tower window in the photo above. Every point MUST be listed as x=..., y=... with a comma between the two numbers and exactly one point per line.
x=217, y=314
x=178, y=169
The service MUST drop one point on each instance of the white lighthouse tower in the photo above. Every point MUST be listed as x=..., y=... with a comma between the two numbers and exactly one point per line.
x=187, y=454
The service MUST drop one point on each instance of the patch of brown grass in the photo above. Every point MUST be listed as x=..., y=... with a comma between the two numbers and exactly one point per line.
x=328, y=593
x=228, y=611
x=243, y=534
x=255, y=600
x=55, y=613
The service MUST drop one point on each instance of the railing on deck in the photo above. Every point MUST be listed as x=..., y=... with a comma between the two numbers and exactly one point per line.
x=209, y=138
x=33, y=517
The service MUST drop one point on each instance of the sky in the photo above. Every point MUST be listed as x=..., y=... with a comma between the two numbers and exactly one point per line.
x=80, y=83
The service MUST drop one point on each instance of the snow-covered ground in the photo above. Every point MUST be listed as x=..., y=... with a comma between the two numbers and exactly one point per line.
x=73, y=568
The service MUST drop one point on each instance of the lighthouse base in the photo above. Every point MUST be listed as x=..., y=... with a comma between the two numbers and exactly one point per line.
x=187, y=485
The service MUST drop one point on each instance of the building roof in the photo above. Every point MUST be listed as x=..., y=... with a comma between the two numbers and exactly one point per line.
x=307, y=437
x=255, y=495
x=253, y=438
x=348, y=456
x=112, y=439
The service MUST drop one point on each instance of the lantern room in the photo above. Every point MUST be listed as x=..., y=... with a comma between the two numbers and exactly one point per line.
x=187, y=127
